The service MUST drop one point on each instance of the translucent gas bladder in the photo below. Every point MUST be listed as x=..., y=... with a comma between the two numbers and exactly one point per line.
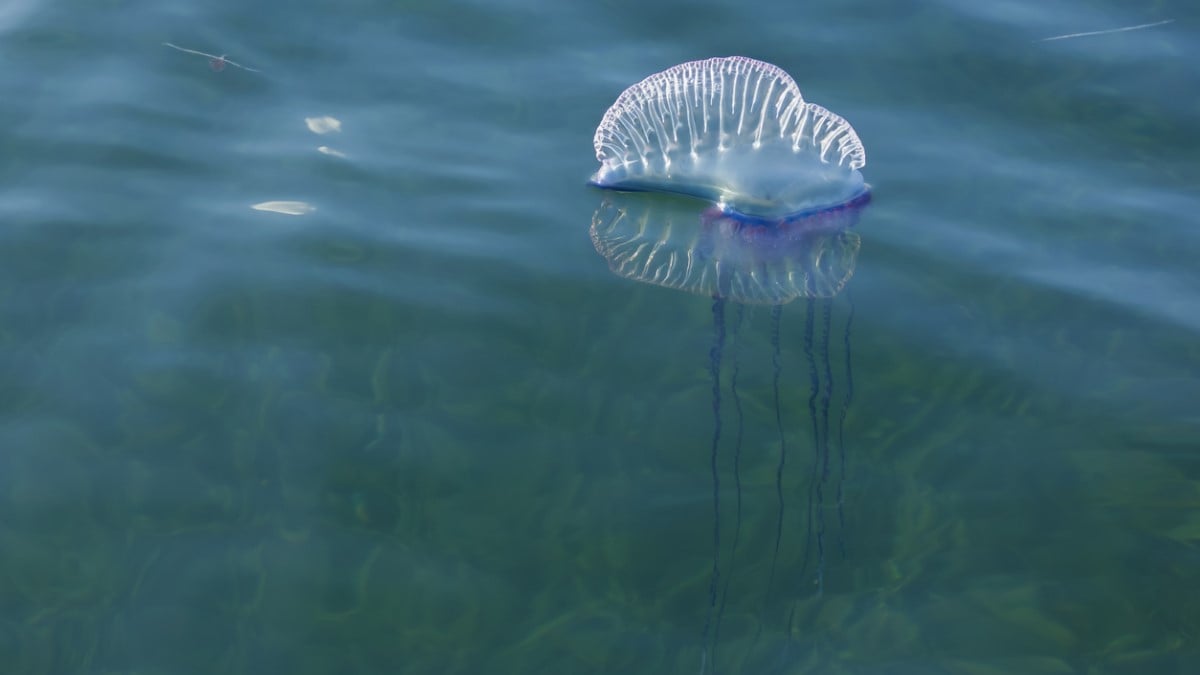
x=733, y=131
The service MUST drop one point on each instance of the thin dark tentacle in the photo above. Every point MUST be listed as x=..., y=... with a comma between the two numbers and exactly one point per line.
x=776, y=313
x=826, y=394
x=841, y=440
x=816, y=499
x=714, y=356
x=737, y=470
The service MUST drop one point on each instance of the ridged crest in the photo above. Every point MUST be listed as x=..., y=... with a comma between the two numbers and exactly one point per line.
x=701, y=107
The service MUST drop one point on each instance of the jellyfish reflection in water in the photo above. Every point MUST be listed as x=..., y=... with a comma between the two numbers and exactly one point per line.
x=781, y=193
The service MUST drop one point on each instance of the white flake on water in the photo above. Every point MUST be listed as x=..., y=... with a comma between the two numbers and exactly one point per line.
x=326, y=150
x=288, y=208
x=323, y=125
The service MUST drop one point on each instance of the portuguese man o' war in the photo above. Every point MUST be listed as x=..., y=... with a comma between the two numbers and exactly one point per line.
x=781, y=180
x=733, y=131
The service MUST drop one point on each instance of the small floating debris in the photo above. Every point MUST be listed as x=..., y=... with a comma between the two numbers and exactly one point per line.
x=1107, y=32
x=217, y=63
x=323, y=125
x=287, y=208
x=326, y=150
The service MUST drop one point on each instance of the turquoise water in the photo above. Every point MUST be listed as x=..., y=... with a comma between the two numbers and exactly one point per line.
x=424, y=429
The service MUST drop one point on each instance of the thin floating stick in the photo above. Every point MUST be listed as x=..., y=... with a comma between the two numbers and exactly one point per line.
x=216, y=62
x=1106, y=32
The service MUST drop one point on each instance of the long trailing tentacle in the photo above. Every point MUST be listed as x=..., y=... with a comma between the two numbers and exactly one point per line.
x=776, y=362
x=816, y=498
x=714, y=357
x=841, y=435
x=737, y=468
x=826, y=394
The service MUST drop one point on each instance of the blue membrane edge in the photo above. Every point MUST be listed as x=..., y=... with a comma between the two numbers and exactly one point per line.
x=857, y=201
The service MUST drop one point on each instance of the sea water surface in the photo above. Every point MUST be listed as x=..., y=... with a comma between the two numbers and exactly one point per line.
x=421, y=428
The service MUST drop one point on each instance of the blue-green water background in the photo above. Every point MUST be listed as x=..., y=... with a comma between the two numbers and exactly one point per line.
x=423, y=429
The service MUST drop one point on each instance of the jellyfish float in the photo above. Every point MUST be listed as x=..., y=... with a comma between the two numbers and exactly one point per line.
x=758, y=195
